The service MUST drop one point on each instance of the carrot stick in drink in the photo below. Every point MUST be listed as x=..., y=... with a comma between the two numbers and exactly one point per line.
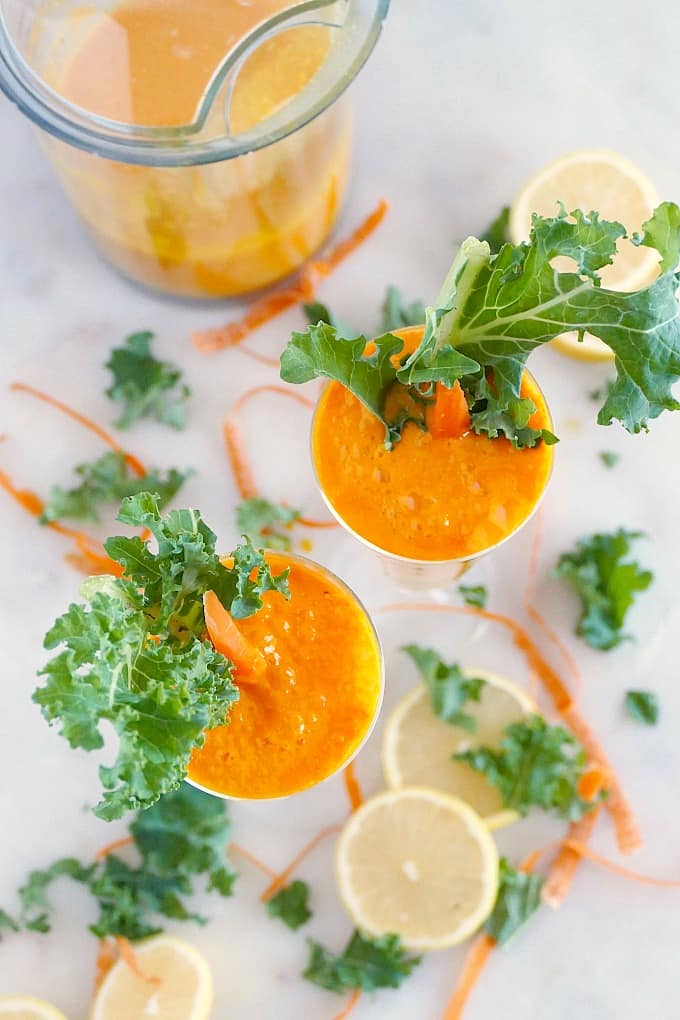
x=448, y=417
x=228, y=639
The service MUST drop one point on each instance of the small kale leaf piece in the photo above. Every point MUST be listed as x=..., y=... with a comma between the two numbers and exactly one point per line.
x=108, y=480
x=265, y=522
x=519, y=897
x=662, y=232
x=291, y=904
x=7, y=923
x=186, y=832
x=496, y=234
x=643, y=706
x=475, y=595
x=449, y=688
x=35, y=906
x=317, y=312
x=128, y=899
x=396, y=314
x=606, y=583
x=146, y=386
x=367, y=964
x=536, y=764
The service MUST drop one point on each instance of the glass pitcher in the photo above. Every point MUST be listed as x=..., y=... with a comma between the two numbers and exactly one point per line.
x=204, y=143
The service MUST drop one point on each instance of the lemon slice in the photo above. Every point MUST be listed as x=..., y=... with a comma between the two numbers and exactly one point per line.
x=419, y=864
x=25, y=1007
x=618, y=190
x=184, y=990
x=417, y=746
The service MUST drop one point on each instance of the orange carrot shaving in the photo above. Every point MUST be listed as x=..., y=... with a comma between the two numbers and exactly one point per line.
x=228, y=639
x=309, y=522
x=473, y=965
x=303, y=288
x=106, y=957
x=352, y=787
x=26, y=498
x=128, y=956
x=448, y=417
x=133, y=462
x=628, y=835
x=592, y=783
x=324, y=267
x=238, y=459
x=627, y=832
x=566, y=863
x=90, y=556
x=255, y=861
x=117, y=844
x=549, y=678
x=617, y=869
x=256, y=356
x=349, y=1008
x=282, y=878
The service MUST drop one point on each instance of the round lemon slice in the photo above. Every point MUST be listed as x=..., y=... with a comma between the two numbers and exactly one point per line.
x=419, y=864
x=25, y=1007
x=183, y=991
x=618, y=190
x=417, y=746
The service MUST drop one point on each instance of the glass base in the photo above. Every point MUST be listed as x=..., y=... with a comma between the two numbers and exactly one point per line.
x=375, y=581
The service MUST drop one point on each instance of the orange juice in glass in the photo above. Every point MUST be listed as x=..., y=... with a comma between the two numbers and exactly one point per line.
x=430, y=506
x=205, y=145
x=302, y=717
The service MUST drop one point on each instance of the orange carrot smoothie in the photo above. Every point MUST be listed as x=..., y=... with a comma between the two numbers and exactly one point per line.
x=428, y=498
x=305, y=716
x=216, y=229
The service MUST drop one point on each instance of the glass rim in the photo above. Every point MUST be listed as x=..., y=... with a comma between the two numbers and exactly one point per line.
x=411, y=561
x=307, y=561
x=173, y=146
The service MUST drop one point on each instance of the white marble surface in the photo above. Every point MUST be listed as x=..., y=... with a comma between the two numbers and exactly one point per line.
x=460, y=102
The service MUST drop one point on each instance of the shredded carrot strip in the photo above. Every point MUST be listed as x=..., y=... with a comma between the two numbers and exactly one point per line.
x=282, y=878
x=354, y=794
x=349, y=1008
x=117, y=844
x=256, y=356
x=309, y=522
x=106, y=957
x=565, y=865
x=26, y=498
x=90, y=557
x=617, y=869
x=547, y=675
x=131, y=460
x=238, y=458
x=255, y=861
x=302, y=289
x=627, y=832
x=473, y=965
x=326, y=266
x=129, y=957
x=628, y=835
